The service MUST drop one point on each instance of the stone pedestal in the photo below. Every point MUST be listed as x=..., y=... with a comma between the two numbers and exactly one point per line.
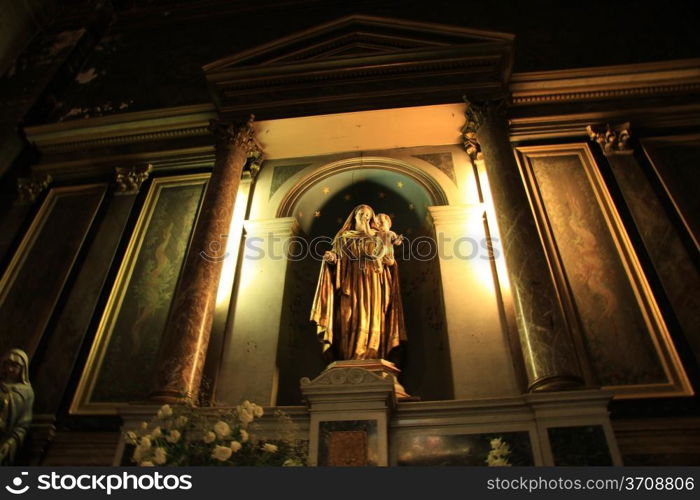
x=350, y=405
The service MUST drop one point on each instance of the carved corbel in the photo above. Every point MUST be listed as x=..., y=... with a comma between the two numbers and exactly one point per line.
x=613, y=139
x=128, y=180
x=29, y=188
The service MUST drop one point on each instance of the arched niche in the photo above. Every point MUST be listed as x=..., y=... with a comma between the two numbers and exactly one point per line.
x=320, y=202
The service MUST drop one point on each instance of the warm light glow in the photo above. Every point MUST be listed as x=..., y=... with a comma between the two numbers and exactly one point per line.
x=233, y=243
x=361, y=131
x=481, y=269
x=496, y=240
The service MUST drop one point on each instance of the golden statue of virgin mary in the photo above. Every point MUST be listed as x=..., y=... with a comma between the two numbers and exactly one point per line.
x=357, y=307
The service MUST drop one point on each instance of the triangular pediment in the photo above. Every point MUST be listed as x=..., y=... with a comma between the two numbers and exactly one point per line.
x=358, y=36
x=358, y=63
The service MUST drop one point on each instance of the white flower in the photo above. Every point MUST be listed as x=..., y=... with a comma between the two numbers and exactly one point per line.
x=245, y=416
x=258, y=411
x=248, y=405
x=222, y=429
x=180, y=421
x=221, y=453
x=156, y=433
x=498, y=456
x=144, y=425
x=290, y=462
x=244, y=435
x=173, y=436
x=146, y=463
x=160, y=456
x=131, y=437
x=138, y=454
x=165, y=411
x=209, y=437
x=145, y=443
x=270, y=448
x=235, y=446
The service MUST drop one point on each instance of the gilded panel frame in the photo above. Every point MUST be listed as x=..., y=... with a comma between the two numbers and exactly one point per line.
x=678, y=383
x=82, y=403
x=8, y=277
x=650, y=147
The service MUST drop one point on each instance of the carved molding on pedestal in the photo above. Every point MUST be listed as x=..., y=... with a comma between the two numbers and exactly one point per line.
x=29, y=188
x=613, y=139
x=345, y=376
x=128, y=180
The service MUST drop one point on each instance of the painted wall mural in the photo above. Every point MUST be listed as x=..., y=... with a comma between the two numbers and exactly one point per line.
x=120, y=364
x=488, y=449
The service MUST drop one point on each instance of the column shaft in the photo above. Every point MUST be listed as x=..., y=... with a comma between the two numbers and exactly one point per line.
x=550, y=357
x=183, y=348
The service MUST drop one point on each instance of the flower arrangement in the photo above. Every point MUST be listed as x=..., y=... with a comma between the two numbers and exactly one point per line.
x=185, y=435
x=498, y=456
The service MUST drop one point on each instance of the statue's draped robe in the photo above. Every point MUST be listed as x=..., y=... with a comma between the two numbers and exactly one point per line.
x=357, y=307
x=16, y=401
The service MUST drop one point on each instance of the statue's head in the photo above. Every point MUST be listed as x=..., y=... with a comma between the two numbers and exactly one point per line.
x=363, y=216
x=14, y=367
x=383, y=222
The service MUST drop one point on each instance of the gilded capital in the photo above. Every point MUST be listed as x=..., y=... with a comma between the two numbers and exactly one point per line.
x=128, y=180
x=474, y=115
x=239, y=135
x=613, y=139
x=29, y=188
x=477, y=115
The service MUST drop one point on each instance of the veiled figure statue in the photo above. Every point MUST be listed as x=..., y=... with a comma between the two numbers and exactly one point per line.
x=16, y=401
x=357, y=307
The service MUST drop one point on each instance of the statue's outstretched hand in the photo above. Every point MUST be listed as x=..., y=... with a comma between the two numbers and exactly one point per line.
x=398, y=240
x=330, y=257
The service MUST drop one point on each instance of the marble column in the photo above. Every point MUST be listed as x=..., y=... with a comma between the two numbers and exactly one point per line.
x=550, y=356
x=184, y=345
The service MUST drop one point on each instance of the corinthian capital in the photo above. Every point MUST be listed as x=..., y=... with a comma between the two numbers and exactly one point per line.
x=474, y=115
x=129, y=179
x=239, y=136
x=613, y=139
x=29, y=188
x=477, y=114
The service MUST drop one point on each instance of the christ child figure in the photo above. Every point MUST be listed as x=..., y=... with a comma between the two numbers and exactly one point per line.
x=387, y=238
